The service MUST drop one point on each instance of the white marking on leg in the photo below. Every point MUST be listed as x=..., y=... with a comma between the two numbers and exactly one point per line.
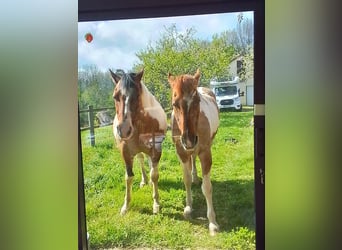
x=129, y=182
x=207, y=191
x=187, y=184
x=154, y=174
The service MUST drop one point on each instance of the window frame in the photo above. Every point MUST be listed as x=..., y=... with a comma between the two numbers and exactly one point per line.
x=89, y=10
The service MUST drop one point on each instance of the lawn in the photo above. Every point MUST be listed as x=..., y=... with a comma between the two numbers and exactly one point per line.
x=233, y=194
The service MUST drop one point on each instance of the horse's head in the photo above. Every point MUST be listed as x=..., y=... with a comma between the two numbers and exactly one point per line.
x=127, y=102
x=186, y=107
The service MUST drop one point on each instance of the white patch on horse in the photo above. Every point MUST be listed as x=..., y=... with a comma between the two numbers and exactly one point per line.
x=206, y=104
x=126, y=105
x=189, y=100
x=115, y=130
x=153, y=107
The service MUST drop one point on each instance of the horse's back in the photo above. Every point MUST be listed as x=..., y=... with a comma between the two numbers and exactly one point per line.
x=206, y=91
x=209, y=108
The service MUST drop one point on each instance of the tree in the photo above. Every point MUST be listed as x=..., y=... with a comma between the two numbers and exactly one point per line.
x=94, y=88
x=181, y=53
x=242, y=37
x=247, y=71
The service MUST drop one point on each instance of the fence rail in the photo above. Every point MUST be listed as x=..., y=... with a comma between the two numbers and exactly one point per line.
x=91, y=118
x=98, y=109
x=91, y=124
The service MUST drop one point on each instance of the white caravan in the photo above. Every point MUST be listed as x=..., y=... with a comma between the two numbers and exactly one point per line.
x=227, y=94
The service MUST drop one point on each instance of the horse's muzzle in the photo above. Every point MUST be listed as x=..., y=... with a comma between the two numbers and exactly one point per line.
x=125, y=133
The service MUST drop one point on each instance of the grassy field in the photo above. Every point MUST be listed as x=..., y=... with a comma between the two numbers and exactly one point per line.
x=233, y=194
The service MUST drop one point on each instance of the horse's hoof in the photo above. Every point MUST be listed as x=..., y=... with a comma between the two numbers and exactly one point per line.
x=213, y=229
x=155, y=208
x=187, y=213
x=123, y=210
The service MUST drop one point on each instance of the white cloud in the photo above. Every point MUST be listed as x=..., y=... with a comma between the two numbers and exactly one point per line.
x=116, y=42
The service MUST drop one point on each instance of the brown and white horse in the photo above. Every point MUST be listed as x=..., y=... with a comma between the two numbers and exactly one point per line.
x=194, y=123
x=139, y=127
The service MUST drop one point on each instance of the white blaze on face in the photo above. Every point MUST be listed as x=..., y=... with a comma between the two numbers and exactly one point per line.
x=208, y=107
x=115, y=131
x=126, y=106
x=189, y=101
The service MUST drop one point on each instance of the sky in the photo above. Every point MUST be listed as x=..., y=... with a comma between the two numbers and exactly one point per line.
x=116, y=42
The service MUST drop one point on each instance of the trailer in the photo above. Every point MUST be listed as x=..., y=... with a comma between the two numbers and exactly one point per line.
x=227, y=94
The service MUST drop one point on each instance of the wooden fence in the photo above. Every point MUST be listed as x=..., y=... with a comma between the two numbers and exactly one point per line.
x=91, y=124
x=91, y=118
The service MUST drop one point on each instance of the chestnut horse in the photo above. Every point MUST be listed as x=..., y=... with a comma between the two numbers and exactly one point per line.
x=194, y=123
x=139, y=127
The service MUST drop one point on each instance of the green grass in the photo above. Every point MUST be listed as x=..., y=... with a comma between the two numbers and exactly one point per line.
x=233, y=194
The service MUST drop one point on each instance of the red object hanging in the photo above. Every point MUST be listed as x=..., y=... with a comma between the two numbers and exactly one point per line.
x=88, y=37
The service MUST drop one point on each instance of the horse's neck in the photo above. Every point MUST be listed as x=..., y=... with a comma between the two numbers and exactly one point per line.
x=147, y=99
x=151, y=106
x=209, y=109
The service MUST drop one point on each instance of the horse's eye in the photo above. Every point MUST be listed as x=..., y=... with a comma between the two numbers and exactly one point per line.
x=175, y=104
x=117, y=96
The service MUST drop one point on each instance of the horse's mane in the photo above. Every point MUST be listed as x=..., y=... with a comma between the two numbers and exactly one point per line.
x=127, y=82
x=147, y=99
x=152, y=106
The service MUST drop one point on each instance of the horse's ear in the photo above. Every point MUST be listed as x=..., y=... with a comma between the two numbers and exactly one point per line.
x=139, y=75
x=197, y=75
x=115, y=78
x=170, y=78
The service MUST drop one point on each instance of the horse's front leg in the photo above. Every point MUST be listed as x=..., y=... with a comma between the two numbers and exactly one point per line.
x=129, y=181
x=187, y=166
x=154, y=175
x=206, y=161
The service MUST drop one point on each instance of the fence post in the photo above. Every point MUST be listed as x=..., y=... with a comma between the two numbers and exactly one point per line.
x=91, y=125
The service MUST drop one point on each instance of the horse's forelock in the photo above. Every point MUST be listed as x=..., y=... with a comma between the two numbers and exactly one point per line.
x=128, y=84
x=188, y=84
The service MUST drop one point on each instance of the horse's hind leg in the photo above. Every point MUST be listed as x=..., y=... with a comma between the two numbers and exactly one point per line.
x=140, y=158
x=194, y=174
x=154, y=174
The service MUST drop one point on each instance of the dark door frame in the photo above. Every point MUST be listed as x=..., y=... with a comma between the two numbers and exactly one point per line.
x=90, y=10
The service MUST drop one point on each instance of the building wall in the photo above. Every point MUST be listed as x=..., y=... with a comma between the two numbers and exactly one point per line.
x=242, y=84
